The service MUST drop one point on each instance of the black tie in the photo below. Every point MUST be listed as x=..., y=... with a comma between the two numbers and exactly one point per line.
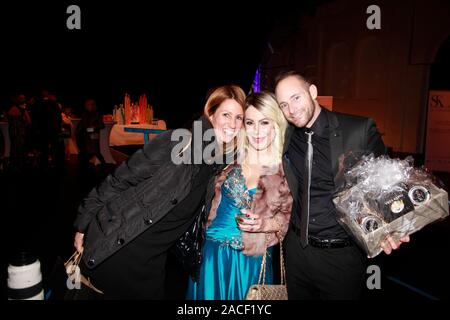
x=304, y=219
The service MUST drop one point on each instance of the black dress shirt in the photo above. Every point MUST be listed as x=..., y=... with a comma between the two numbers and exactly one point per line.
x=322, y=216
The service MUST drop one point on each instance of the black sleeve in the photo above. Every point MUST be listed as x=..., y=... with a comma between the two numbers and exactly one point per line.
x=140, y=166
x=374, y=142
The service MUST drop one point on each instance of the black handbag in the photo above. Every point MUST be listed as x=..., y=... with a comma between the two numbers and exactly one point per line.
x=188, y=248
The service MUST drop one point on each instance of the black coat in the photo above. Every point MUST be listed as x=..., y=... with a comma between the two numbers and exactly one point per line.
x=134, y=198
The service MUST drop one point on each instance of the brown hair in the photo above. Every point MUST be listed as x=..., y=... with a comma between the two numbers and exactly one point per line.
x=220, y=94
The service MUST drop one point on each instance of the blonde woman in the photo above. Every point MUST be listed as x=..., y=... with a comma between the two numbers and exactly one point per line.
x=236, y=239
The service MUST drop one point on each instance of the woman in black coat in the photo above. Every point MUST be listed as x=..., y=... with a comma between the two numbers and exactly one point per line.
x=126, y=225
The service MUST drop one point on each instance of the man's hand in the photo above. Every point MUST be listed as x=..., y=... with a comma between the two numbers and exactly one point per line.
x=390, y=244
x=79, y=241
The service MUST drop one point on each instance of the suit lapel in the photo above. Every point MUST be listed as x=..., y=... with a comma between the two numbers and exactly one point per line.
x=287, y=165
x=287, y=138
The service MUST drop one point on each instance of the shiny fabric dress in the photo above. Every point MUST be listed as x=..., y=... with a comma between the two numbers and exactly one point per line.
x=226, y=273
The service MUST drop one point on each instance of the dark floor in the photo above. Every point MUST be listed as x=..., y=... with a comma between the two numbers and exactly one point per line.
x=38, y=208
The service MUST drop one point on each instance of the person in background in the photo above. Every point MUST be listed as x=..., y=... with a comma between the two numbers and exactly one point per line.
x=66, y=130
x=88, y=134
x=47, y=123
x=19, y=121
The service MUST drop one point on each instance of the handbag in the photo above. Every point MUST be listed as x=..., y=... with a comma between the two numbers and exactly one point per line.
x=67, y=283
x=188, y=248
x=262, y=291
x=74, y=274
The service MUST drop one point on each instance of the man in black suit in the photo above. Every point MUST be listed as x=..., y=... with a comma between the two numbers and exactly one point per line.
x=322, y=262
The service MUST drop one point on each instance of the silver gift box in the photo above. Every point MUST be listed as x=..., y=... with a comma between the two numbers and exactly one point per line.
x=369, y=227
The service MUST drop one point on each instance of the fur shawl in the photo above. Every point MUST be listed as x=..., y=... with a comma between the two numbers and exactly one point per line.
x=272, y=199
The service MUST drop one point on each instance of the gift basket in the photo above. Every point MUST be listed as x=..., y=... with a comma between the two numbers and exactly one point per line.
x=383, y=196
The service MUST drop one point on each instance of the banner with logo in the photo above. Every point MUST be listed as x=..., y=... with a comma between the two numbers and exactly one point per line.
x=437, y=155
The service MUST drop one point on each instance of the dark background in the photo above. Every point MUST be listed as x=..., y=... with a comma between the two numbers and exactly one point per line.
x=173, y=52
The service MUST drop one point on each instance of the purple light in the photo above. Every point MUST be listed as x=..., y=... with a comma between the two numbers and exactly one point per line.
x=256, y=86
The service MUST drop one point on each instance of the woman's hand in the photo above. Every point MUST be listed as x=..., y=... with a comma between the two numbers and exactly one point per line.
x=79, y=241
x=254, y=223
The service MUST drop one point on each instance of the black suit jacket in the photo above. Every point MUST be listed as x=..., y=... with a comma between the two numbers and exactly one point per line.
x=347, y=133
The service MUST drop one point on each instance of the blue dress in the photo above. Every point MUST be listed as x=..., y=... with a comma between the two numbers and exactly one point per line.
x=226, y=273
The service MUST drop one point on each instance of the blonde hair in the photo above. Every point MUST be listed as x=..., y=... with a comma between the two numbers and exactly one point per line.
x=216, y=97
x=266, y=103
